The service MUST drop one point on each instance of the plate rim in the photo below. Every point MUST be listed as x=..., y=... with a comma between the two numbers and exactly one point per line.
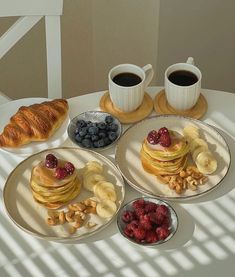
x=175, y=198
x=72, y=237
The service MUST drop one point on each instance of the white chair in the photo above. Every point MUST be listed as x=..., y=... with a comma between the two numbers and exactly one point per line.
x=30, y=12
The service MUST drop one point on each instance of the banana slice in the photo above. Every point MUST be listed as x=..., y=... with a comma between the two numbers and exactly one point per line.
x=106, y=208
x=191, y=132
x=94, y=167
x=206, y=163
x=199, y=150
x=103, y=190
x=90, y=180
x=197, y=142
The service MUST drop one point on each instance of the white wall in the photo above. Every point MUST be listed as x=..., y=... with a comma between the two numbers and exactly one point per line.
x=204, y=30
x=98, y=34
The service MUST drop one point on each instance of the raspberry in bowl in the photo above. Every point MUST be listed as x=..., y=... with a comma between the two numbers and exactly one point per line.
x=147, y=221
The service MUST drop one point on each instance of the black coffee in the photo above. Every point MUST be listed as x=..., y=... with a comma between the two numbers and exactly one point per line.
x=183, y=78
x=127, y=79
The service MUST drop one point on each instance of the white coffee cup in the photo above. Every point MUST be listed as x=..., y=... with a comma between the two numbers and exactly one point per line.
x=183, y=97
x=129, y=98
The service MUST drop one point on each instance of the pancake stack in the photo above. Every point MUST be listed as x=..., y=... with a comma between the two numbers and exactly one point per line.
x=160, y=160
x=50, y=191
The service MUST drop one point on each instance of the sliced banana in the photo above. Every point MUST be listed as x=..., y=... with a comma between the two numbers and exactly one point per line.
x=90, y=180
x=106, y=208
x=197, y=142
x=206, y=163
x=103, y=185
x=197, y=151
x=94, y=167
x=105, y=190
x=191, y=132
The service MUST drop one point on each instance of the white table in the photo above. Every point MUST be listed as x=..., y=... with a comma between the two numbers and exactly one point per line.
x=203, y=245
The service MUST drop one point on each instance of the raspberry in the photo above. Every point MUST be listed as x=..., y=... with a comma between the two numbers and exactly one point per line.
x=69, y=167
x=128, y=232
x=153, y=137
x=139, y=211
x=165, y=223
x=150, y=207
x=139, y=233
x=162, y=209
x=51, y=161
x=151, y=236
x=128, y=216
x=162, y=233
x=163, y=130
x=133, y=225
x=145, y=222
x=140, y=203
x=165, y=140
x=60, y=173
x=156, y=218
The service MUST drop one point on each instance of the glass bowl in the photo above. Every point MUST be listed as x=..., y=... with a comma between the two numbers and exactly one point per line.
x=93, y=140
x=147, y=217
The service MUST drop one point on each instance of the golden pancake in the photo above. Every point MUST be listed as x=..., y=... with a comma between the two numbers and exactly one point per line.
x=75, y=189
x=46, y=176
x=50, y=191
x=160, y=160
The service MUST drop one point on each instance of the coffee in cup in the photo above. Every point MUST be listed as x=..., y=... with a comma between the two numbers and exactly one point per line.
x=183, y=85
x=127, y=84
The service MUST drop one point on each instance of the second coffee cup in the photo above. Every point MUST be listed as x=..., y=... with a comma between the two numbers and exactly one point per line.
x=127, y=84
x=183, y=84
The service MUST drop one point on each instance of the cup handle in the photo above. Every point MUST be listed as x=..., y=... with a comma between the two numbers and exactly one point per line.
x=148, y=69
x=190, y=60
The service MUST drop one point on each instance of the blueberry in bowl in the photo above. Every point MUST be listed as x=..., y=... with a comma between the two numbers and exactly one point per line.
x=94, y=130
x=147, y=221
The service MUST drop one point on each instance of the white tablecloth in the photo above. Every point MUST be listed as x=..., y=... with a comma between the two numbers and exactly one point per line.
x=203, y=245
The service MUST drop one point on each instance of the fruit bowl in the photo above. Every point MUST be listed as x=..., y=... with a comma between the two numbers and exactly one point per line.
x=147, y=221
x=94, y=130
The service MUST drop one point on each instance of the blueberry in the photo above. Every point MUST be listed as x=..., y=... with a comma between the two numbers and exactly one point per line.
x=94, y=137
x=93, y=130
x=77, y=130
x=102, y=134
x=78, y=138
x=107, y=141
x=100, y=143
x=81, y=123
x=112, y=136
x=88, y=123
x=88, y=136
x=101, y=125
x=113, y=127
x=83, y=132
x=95, y=144
x=87, y=143
x=109, y=119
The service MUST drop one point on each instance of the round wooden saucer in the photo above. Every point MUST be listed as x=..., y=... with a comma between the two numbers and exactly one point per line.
x=140, y=113
x=161, y=106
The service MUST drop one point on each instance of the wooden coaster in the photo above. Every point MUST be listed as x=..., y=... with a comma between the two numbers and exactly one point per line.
x=140, y=113
x=161, y=106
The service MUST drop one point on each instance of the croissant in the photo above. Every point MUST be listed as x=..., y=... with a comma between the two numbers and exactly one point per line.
x=36, y=122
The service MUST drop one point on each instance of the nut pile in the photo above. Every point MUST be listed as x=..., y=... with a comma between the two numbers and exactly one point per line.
x=190, y=178
x=76, y=215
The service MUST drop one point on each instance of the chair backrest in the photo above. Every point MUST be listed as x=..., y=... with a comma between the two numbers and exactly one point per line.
x=30, y=12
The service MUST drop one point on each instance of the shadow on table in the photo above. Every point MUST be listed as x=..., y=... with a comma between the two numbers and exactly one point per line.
x=227, y=184
x=183, y=234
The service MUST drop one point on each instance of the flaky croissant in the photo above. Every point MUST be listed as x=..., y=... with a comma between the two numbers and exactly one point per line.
x=36, y=122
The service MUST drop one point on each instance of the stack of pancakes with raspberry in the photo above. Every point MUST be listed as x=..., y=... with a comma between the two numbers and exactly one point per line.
x=164, y=152
x=53, y=186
